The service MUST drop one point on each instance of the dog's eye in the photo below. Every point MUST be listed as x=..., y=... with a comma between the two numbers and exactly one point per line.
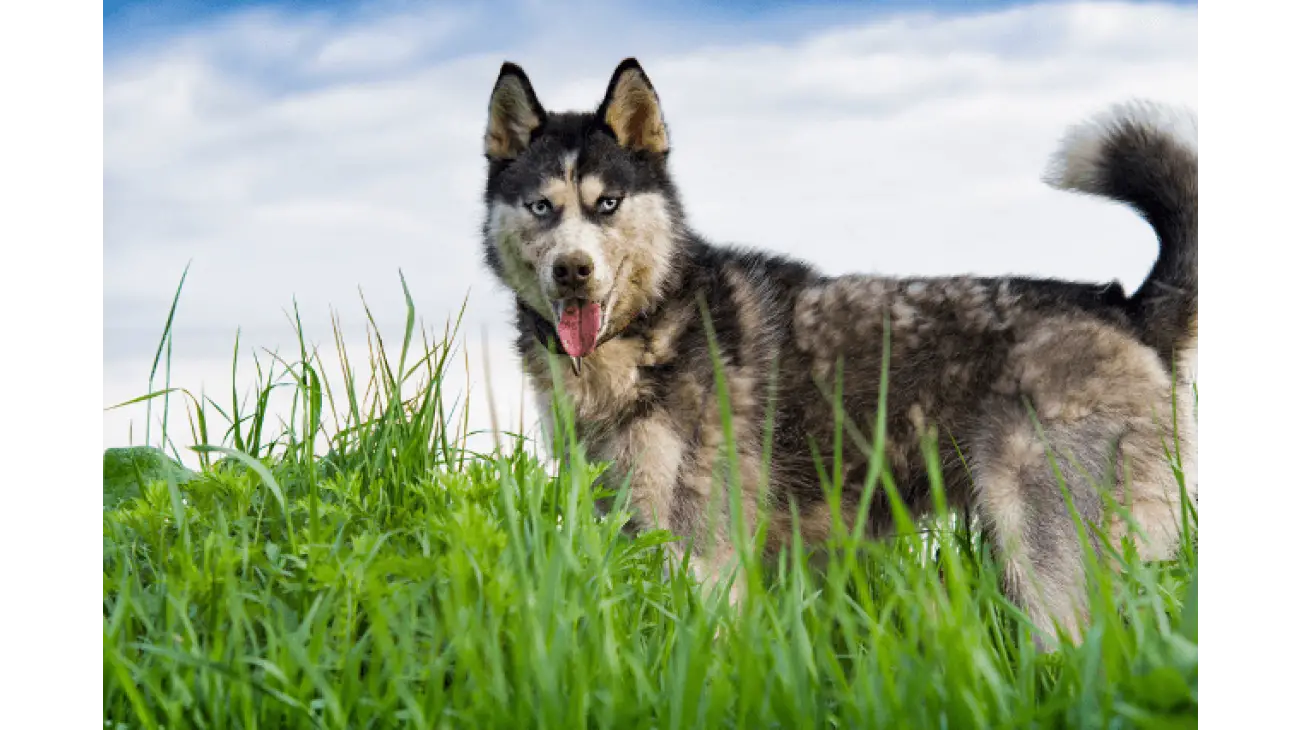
x=540, y=208
x=606, y=206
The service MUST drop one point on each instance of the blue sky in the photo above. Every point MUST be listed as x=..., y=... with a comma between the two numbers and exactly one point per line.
x=122, y=14
x=128, y=20
x=301, y=151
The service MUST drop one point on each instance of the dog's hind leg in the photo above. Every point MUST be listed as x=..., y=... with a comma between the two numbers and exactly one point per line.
x=1149, y=491
x=1103, y=408
x=1022, y=477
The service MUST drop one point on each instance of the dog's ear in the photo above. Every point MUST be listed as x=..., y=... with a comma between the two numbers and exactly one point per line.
x=631, y=109
x=513, y=114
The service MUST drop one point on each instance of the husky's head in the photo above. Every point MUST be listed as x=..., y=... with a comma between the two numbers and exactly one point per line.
x=582, y=217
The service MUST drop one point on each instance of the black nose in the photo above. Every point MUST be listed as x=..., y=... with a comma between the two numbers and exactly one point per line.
x=572, y=269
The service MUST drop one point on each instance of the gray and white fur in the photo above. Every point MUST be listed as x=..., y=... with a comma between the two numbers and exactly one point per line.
x=585, y=226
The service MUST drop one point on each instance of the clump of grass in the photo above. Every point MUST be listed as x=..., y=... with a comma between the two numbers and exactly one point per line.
x=401, y=579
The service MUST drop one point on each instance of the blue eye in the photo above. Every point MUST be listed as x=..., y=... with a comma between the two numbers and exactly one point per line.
x=540, y=208
x=606, y=206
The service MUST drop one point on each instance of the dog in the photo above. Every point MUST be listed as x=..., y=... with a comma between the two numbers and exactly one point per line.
x=1031, y=390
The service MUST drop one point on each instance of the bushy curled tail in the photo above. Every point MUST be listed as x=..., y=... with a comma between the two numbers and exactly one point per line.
x=1144, y=155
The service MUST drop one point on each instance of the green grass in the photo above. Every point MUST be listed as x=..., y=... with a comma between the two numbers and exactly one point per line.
x=402, y=580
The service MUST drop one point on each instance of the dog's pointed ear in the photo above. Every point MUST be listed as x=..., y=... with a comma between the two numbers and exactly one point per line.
x=631, y=109
x=513, y=114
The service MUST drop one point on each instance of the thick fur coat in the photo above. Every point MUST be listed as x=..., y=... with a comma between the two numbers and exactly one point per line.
x=1006, y=375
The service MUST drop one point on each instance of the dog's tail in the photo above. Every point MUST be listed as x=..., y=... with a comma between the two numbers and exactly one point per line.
x=1145, y=156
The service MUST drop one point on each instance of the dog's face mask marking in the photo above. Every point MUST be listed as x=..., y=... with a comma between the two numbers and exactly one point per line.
x=581, y=217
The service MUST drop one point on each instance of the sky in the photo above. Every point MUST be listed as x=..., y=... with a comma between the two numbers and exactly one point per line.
x=306, y=153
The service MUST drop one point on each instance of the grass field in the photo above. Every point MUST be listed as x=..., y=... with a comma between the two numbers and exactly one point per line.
x=402, y=580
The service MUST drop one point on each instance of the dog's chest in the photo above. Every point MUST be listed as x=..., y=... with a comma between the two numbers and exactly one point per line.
x=610, y=387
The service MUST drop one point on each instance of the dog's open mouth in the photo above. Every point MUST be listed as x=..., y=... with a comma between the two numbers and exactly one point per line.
x=579, y=323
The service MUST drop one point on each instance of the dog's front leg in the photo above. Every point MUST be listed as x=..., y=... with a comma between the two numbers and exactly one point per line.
x=713, y=566
x=653, y=453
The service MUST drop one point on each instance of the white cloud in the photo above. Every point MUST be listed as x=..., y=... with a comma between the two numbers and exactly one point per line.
x=303, y=157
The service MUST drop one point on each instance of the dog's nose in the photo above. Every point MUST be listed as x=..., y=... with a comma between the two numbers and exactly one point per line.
x=572, y=269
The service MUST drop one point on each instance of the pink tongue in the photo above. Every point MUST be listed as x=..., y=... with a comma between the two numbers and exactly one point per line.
x=579, y=325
